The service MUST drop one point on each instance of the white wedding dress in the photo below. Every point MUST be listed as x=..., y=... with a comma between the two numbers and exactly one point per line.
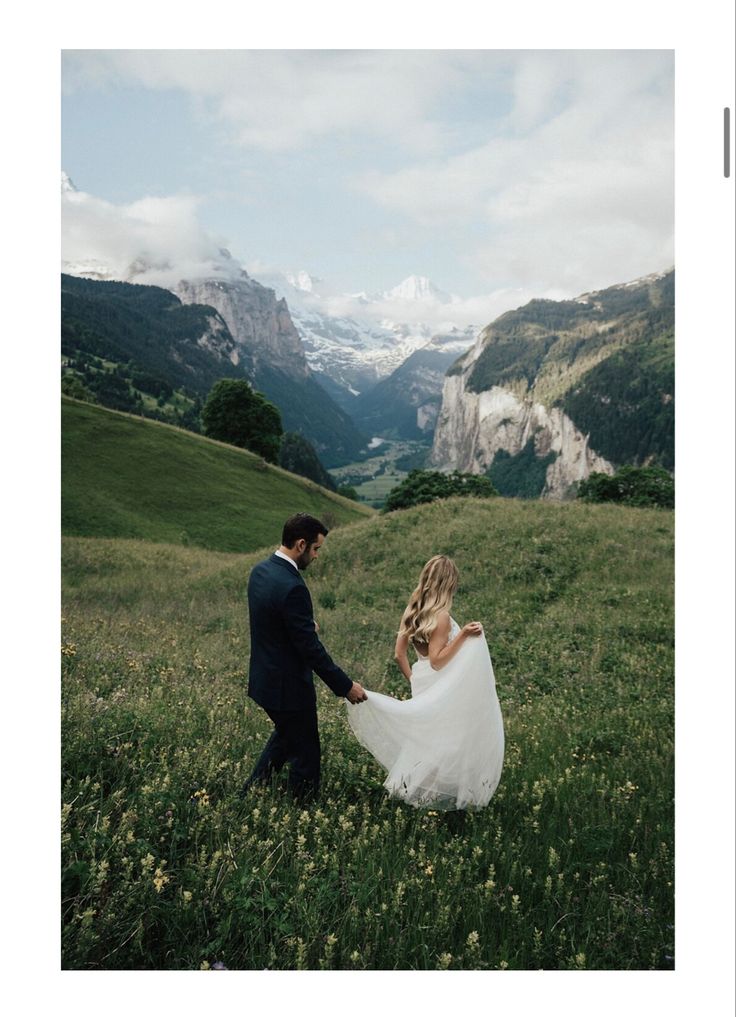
x=443, y=748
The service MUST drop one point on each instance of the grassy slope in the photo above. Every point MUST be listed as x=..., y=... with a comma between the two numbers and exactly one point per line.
x=123, y=476
x=571, y=865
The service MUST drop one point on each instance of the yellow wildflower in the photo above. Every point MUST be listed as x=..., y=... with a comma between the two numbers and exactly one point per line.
x=160, y=880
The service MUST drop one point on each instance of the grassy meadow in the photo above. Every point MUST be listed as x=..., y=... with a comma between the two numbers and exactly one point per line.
x=124, y=476
x=570, y=866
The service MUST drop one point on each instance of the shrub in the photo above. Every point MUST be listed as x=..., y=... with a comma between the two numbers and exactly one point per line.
x=429, y=485
x=631, y=485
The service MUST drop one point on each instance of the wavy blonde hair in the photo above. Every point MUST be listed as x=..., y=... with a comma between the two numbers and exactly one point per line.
x=434, y=592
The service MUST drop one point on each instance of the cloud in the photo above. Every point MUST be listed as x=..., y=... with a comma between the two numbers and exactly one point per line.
x=575, y=190
x=280, y=100
x=541, y=172
x=160, y=241
x=476, y=311
x=437, y=314
x=156, y=241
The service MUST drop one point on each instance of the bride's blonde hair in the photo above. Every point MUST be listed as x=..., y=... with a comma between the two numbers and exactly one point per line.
x=434, y=592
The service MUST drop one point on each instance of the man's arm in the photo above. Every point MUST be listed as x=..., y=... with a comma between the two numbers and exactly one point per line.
x=299, y=621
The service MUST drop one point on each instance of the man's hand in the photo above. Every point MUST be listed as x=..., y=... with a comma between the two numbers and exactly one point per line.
x=356, y=694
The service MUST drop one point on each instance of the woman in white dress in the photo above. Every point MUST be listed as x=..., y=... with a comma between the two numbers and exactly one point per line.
x=443, y=748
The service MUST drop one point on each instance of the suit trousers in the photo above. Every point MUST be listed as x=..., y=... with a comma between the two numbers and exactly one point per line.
x=295, y=740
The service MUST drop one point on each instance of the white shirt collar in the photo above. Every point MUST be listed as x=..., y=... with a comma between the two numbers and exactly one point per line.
x=280, y=554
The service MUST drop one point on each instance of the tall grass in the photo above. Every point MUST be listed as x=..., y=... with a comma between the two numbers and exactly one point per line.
x=571, y=864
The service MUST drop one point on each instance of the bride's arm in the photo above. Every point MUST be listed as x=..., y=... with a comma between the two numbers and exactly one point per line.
x=440, y=652
x=401, y=656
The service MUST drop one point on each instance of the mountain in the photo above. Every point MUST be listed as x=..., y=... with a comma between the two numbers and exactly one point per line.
x=263, y=343
x=133, y=347
x=353, y=341
x=259, y=323
x=123, y=476
x=554, y=390
x=407, y=402
x=273, y=358
x=150, y=333
x=417, y=288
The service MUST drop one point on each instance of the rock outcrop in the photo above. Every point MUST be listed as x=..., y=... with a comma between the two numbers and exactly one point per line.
x=561, y=389
x=260, y=324
x=472, y=427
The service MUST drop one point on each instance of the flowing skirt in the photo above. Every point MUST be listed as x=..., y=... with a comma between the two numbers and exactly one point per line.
x=443, y=748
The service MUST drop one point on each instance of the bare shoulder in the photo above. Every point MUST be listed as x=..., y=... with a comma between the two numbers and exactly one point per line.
x=443, y=623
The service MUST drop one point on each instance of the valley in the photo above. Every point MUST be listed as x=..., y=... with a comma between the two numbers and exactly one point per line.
x=382, y=468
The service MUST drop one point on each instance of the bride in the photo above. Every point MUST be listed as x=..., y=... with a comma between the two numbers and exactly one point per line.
x=443, y=748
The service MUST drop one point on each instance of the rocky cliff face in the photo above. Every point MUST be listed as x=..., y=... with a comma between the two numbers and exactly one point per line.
x=217, y=339
x=472, y=427
x=561, y=389
x=260, y=324
x=270, y=352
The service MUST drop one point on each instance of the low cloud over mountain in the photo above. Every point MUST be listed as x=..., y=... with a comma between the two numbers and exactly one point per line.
x=160, y=241
x=157, y=241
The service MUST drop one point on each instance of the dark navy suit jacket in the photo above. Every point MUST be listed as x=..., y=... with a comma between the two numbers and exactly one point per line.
x=285, y=649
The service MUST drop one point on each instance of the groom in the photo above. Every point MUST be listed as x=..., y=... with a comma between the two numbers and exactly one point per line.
x=284, y=652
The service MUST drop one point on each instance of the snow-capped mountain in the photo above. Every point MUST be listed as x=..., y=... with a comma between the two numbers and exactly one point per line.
x=406, y=403
x=418, y=287
x=357, y=339
x=297, y=324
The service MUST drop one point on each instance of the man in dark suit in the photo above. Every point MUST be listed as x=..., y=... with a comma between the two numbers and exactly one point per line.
x=285, y=650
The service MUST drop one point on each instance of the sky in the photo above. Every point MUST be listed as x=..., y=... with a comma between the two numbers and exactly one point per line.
x=501, y=175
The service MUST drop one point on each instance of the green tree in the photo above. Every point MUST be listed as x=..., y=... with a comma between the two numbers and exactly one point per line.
x=297, y=455
x=522, y=475
x=347, y=491
x=72, y=385
x=236, y=414
x=429, y=485
x=190, y=418
x=631, y=485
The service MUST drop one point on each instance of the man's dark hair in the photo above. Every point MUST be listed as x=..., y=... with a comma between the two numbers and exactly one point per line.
x=302, y=527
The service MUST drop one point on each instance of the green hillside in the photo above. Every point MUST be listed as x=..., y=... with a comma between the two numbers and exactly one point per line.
x=139, y=349
x=123, y=476
x=569, y=867
x=626, y=403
